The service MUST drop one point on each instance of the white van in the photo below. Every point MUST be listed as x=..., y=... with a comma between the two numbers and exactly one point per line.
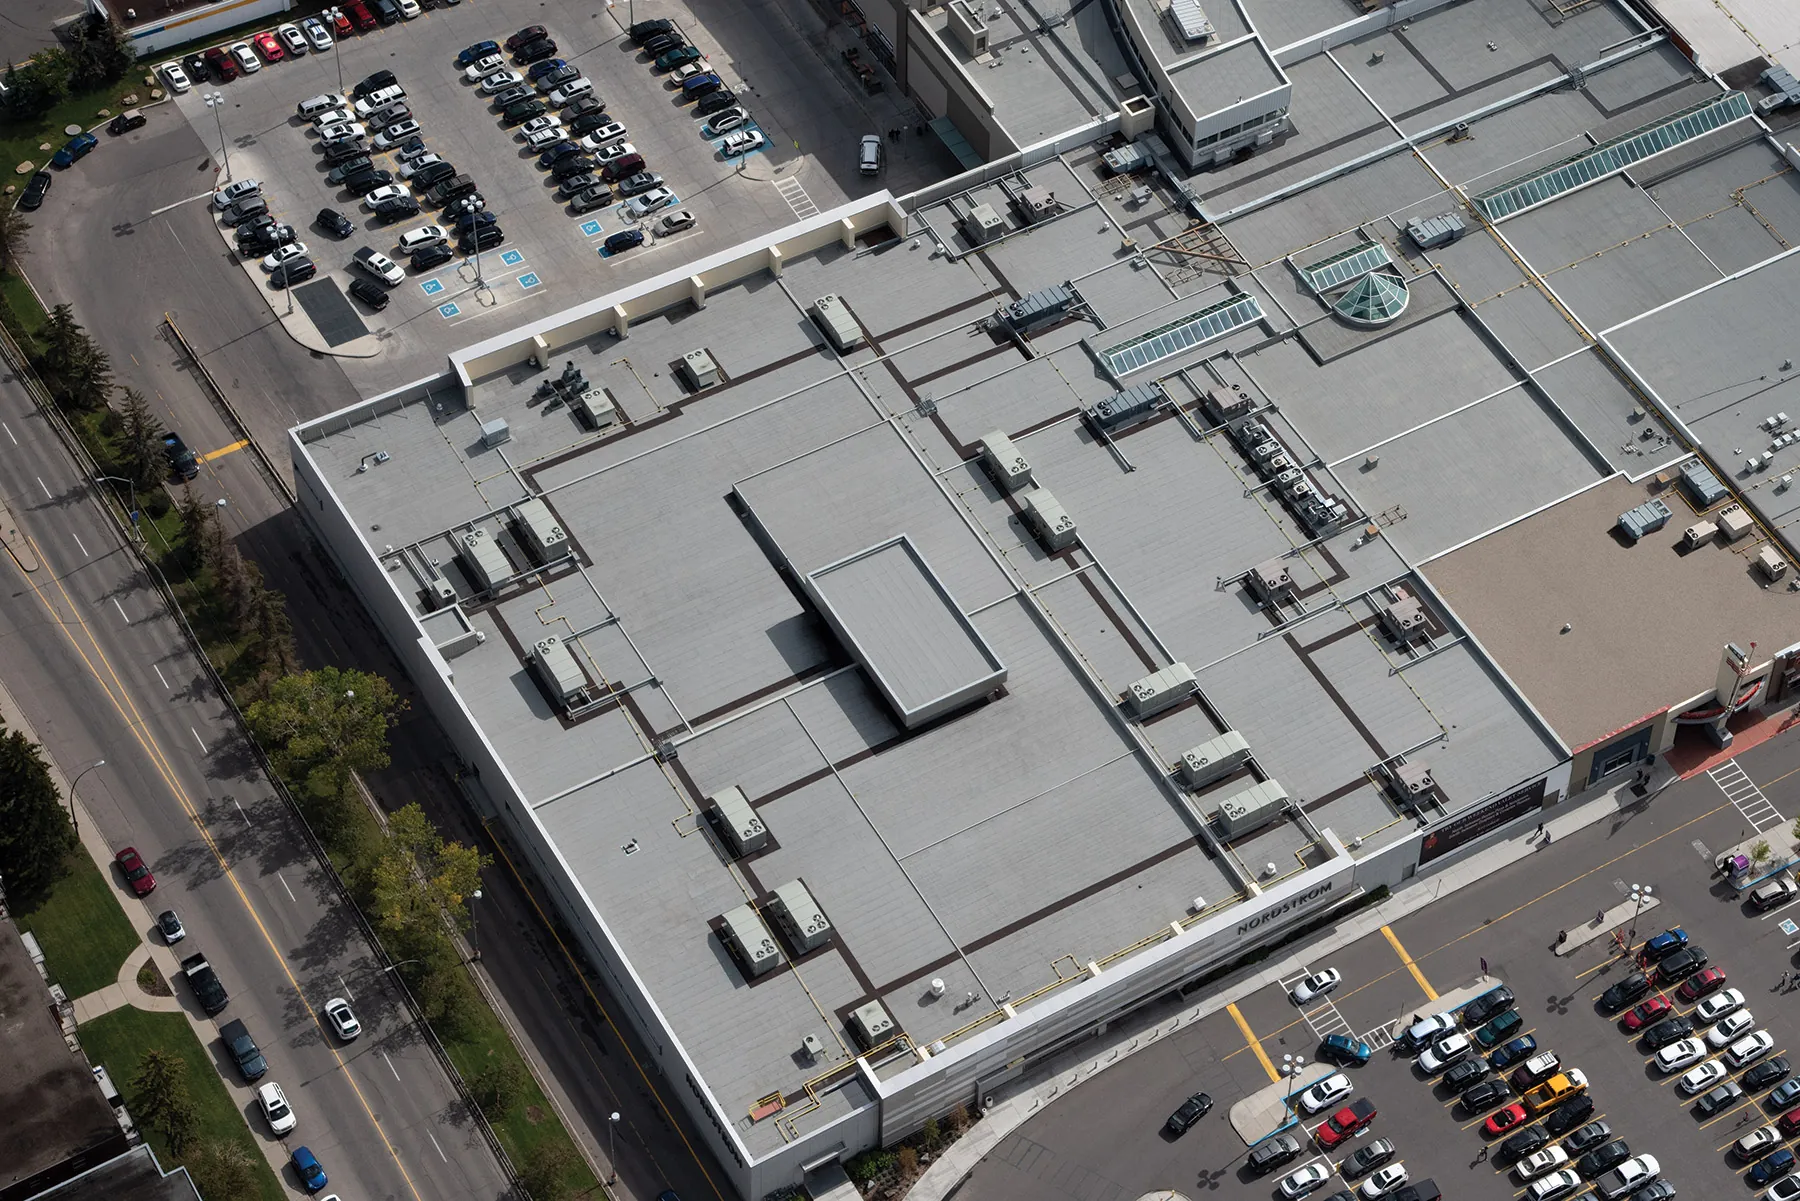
x=868, y=159
x=312, y=106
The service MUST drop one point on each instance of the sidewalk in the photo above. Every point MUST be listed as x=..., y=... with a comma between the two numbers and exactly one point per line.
x=1016, y=1103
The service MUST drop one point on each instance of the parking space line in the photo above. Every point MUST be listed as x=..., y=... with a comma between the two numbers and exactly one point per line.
x=1394, y=941
x=1250, y=1038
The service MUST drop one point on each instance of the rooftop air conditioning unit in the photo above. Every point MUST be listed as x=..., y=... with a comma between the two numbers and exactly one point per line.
x=1404, y=618
x=1271, y=581
x=494, y=432
x=700, y=369
x=1215, y=759
x=543, y=534
x=1253, y=808
x=596, y=406
x=484, y=558
x=1161, y=690
x=558, y=670
x=440, y=594
x=799, y=917
x=1004, y=462
x=870, y=1025
x=983, y=225
x=749, y=941
x=1047, y=519
x=738, y=822
x=834, y=319
x=1411, y=780
x=1771, y=563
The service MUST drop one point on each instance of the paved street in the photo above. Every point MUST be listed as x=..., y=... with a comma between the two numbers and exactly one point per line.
x=1103, y=1140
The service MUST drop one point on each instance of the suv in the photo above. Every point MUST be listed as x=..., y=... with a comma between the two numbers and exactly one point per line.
x=1681, y=964
x=244, y=1050
x=1670, y=1030
x=205, y=983
x=1367, y=1159
x=1628, y=991
x=1272, y=1153
x=276, y=1110
x=1776, y=892
x=1503, y=1027
x=1489, y=1004
x=370, y=293
x=182, y=461
x=1191, y=1111
x=1512, y=1052
x=1603, y=1158
x=1339, y=1048
x=1665, y=944
x=1570, y=1115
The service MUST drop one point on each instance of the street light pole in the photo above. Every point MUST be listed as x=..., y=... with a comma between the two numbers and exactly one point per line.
x=331, y=15
x=612, y=1162
x=1639, y=894
x=72, y=786
x=216, y=101
x=474, y=930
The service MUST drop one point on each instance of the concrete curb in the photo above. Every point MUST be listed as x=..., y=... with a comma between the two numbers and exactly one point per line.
x=1012, y=1106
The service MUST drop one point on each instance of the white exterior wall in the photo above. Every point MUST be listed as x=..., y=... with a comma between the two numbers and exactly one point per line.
x=151, y=38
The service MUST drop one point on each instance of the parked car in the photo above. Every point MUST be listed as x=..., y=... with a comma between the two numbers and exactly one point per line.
x=1669, y=1030
x=275, y=1109
x=126, y=121
x=1443, y=1053
x=1749, y=1049
x=1720, y=1099
x=1729, y=1027
x=243, y=1048
x=137, y=872
x=1678, y=1055
x=1587, y=1138
x=1524, y=1142
x=608, y=134
x=343, y=1021
x=1303, y=1180
x=1382, y=1182
x=715, y=102
x=394, y=134
x=307, y=1167
x=370, y=84
x=1771, y=1167
x=1569, y=1115
x=431, y=256
x=522, y=110
x=1723, y=1002
x=432, y=174
x=598, y=196
x=661, y=44
x=349, y=169
x=1502, y=1120
x=1681, y=964
x=1539, y=1162
x=740, y=142
x=1631, y=1174
x=1628, y=991
x=500, y=81
x=283, y=254
x=294, y=272
x=728, y=119
x=1333, y=1048
x=1778, y=891
x=268, y=47
x=624, y=240
x=1766, y=1073
x=1189, y=1112
x=1701, y=983
x=538, y=70
x=681, y=56
x=649, y=202
x=369, y=180
x=643, y=31
x=1701, y=1077
x=175, y=77
x=477, y=52
x=1537, y=1069
x=1604, y=1158
x=169, y=924
x=342, y=130
x=534, y=52
x=74, y=150
x=483, y=67
x=316, y=34
x=525, y=36
x=482, y=237
x=1663, y=945
x=1483, y=1095
x=1503, y=1027
x=222, y=65
x=36, y=190
x=245, y=58
x=573, y=165
x=555, y=77
x=1550, y=1187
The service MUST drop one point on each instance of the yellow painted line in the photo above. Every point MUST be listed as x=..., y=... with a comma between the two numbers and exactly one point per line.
x=1394, y=941
x=1250, y=1038
x=220, y=453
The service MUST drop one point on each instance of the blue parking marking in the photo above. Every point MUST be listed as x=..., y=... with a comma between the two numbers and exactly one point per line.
x=432, y=286
x=529, y=280
x=448, y=310
x=512, y=258
x=590, y=228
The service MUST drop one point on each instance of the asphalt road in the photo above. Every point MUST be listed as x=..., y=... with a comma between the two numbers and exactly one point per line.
x=1103, y=1140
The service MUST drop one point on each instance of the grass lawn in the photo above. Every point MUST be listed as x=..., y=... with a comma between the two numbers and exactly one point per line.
x=119, y=1040
x=85, y=936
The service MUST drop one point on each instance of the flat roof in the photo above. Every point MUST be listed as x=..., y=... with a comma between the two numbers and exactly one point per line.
x=1218, y=79
x=1750, y=30
x=135, y=1174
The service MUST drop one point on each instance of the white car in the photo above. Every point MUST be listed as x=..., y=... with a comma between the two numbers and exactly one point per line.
x=233, y=192
x=275, y=1108
x=1730, y=1027
x=316, y=33
x=409, y=154
x=392, y=191
x=333, y=116
x=538, y=139
x=1633, y=1174
x=1299, y=1183
x=395, y=134
x=1749, y=1048
x=674, y=223
x=1426, y=1029
x=547, y=121
x=342, y=1020
x=698, y=67
x=293, y=250
x=1718, y=1005
x=569, y=92
x=1383, y=1181
x=499, y=81
x=408, y=8
x=1443, y=1053
x=1752, y=1146
x=729, y=119
x=1785, y=1189
x=246, y=58
x=379, y=265
x=420, y=238
x=1676, y=1056
x=607, y=154
x=649, y=202
x=1537, y=1163
x=292, y=38
x=741, y=142
x=176, y=77
x=605, y=135
x=1554, y=1185
x=413, y=166
x=1326, y=1093
x=483, y=67
x=343, y=129
x=1314, y=986
x=1702, y=1077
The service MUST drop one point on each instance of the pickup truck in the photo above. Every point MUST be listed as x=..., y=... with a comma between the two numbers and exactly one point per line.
x=205, y=983
x=1345, y=1123
x=182, y=461
x=249, y=1056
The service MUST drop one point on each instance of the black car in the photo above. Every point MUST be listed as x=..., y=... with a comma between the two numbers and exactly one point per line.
x=1518, y=1146
x=1587, y=1138
x=432, y=256
x=575, y=185
x=1656, y=1190
x=483, y=237
x=343, y=148
x=714, y=102
x=525, y=36
x=182, y=460
x=1485, y=1096
x=662, y=43
x=1569, y=1115
x=1368, y=1158
x=294, y=271
x=34, y=191
x=366, y=181
x=1462, y=1075
x=1603, y=1158
x=1668, y=1031
x=374, y=83
x=1191, y=1111
x=1271, y=1153
x=463, y=206
x=1628, y=991
x=467, y=221
x=386, y=11
x=574, y=165
x=266, y=239
x=396, y=208
x=1487, y=1005
x=560, y=150
x=1766, y=1073
x=558, y=77
x=1773, y=1167
x=194, y=67
x=510, y=96
x=249, y=229
x=370, y=293
x=1721, y=1098
x=582, y=106
x=523, y=111
x=624, y=240
x=126, y=121
x=535, y=52
x=1681, y=964
x=335, y=223
x=588, y=122
x=349, y=167
x=596, y=197
x=432, y=173
x=645, y=30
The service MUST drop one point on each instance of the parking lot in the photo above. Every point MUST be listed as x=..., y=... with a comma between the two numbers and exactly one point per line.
x=1104, y=1139
x=552, y=258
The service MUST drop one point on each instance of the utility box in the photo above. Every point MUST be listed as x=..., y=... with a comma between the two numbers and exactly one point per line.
x=1232, y=397
x=1428, y=233
x=1047, y=519
x=1734, y=523
x=749, y=941
x=870, y=1025
x=1161, y=690
x=835, y=321
x=557, y=668
x=1034, y=310
x=799, y=918
x=1771, y=563
x=700, y=369
x=540, y=530
x=1215, y=759
x=1126, y=407
x=1699, y=534
x=494, y=432
x=1253, y=808
x=485, y=561
x=1004, y=462
x=1035, y=204
x=738, y=822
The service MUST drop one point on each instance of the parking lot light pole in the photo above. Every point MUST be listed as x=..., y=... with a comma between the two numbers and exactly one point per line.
x=330, y=16
x=1639, y=894
x=215, y=101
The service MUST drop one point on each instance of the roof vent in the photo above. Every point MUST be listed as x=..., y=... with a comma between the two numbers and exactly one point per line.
x=738, y=822
x=799, y=918
x=871, y=1025
x=749, y=941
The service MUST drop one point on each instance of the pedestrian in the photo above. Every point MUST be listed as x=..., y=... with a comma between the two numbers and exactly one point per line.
x=1562, y=936
x=1481, y=1156
x=1539, y=830
x=1782, y=987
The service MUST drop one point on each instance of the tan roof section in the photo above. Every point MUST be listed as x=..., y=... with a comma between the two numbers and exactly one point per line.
x=1648, y=621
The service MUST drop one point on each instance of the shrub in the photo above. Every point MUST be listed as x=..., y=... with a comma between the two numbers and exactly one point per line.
x=931, y=1133
x=909, y=1163
x=871, y=1165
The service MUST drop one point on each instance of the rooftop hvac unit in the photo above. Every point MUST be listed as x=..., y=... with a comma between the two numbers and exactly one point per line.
x=1035, y=204
x=1262, y=452
x=700, y=369
x=1270, y=582
x=494, y=432
x=1254, y=807
x=1298, y=491
x=1037, y=309
x=1734, y=523
x=1047, y=519
x=870, y=1025
x=799, y=918
x=1701, y=484
x=834, y=319
x=1699, y=534
x=557, y=668
x=749, y=941
x=1126, y=407
x=814, y=1047
x=1771, y=562
x=1647, y=518
x=1281, y=465
x=1004, y=462
x=542, y=532
x=596, y=407
x=1430, y=232
x=440, y=594
x=983, y=225
x=1191, y=20
x=1160, y=690
x=1251, y=433
x=1411, y=780
x=484, y=559
x=1404, y=618
x=738, y=822
x=1215, y=759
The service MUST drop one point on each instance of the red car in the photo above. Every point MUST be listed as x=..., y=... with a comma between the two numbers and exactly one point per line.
x=360, y=14
x=1502, y=1120
x=137, y=872
x=530, y=33
x=1701, y=983
x=268, y=47
x=340, y=24
x=1649, y=1013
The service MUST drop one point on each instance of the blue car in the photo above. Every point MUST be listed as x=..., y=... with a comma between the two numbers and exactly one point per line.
x=1342, y=1049
x=625, y=239
x=1665, y=944
x=477, y=52
x=1773, y=1168
x=1512, y=1052
x=306, y=1166
x=77, y=146
x=539, y=70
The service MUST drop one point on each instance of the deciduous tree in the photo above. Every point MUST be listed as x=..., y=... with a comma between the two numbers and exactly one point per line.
x=222, y=1169
x=324, y=725
x=13, y=243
